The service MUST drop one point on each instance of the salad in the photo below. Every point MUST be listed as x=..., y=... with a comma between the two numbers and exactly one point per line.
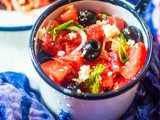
x=23, y=5
x=90, y=51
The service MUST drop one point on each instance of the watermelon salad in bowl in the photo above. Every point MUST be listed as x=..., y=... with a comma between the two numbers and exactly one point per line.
x=90, y=51
x=93, y=54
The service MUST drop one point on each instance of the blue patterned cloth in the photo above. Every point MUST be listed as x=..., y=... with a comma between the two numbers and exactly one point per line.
x=19, y=102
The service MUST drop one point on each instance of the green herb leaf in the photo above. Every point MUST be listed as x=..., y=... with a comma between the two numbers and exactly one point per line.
x=94, y=88
x=97, y=70
x=55, y=30
x=103, y=16
x=50, y=29
x=122, y=40
x=79, y=26
x=93, y=82
x=123, y=55
x=65, y=26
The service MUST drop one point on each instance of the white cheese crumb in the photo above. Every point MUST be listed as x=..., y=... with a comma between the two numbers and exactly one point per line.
x=110, y=31
x=116, y=86
x=61, y=70
x=109, y=74
x=136, y=45
x=135, y=62
x=77, y=80
x=79, y=91
x=84, y=72
x=74, y=58
x=131, y=42
x=65, y=67
x=103, y=22
x=41, y=33
x=116, y=66
x=72, y=35
x=61, y=53
x=127, y=63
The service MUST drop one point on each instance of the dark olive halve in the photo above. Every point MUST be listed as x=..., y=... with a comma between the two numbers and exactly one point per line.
x=72, y=85
x=43, y=56
x=87, y=17
x=91, y=50
x=132, y=33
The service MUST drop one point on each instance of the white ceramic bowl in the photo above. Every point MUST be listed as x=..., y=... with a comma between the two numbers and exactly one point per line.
x=106, y=106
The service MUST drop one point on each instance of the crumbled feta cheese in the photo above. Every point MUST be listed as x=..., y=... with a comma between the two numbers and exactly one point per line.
x=131, y=42
x=98, y=22
x=135, y=62
x=61, y=53
x=72, y=35
x=84, y=72
x=110, y=31
x=41, y=33
x=116, y=66
x=79, y=91
x=77, y=80
x=103, y=22
x=136, y=45
x=109, y=74
x=65, y=67
x=61, y=70
x=116, y=86
x=75, y=58
x=127, y=63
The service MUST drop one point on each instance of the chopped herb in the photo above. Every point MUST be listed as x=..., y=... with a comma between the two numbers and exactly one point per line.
x=103, y=16
x=93, y=82
x=122, y=40
x=50, y=29
x=94, y=88
x=79, y=26
x=65, y=26
x=123, y=55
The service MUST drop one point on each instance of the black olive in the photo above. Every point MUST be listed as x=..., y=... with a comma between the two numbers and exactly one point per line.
x=72, y=85
x=132, y=33
x=43, y=56
x=91, y=50
x=87, y=17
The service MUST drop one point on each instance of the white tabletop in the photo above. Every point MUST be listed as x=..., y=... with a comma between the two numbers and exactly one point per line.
x=14, y=55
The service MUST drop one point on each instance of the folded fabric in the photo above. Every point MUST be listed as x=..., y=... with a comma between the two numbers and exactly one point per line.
x=18, y=101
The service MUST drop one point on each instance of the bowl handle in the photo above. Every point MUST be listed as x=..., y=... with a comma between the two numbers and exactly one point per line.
x=139, y=5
